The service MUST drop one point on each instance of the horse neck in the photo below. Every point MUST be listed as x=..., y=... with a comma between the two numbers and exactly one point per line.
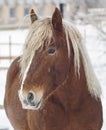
x=74, y=89
x=78, y=85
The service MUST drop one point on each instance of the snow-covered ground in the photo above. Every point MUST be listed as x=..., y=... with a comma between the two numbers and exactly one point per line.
x=96, y=49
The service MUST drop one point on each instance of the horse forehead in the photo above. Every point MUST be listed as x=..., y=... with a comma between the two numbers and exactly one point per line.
x=55, y=41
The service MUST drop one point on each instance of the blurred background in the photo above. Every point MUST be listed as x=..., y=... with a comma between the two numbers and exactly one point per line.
x=89, y=16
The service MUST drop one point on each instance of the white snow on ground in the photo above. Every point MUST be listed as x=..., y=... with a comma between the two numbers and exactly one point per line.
x=96, y=49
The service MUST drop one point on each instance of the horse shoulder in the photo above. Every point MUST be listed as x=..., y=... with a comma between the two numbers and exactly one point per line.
x=13, y=108
x=13, y=70
x=11, y=77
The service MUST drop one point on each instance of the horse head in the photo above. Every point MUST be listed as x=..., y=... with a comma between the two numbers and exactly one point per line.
x=48, y=64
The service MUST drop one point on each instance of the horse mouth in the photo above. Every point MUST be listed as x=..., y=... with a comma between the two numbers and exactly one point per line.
x=31, y=106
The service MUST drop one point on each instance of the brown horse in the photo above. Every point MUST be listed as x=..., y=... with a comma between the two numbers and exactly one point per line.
x=52, y=86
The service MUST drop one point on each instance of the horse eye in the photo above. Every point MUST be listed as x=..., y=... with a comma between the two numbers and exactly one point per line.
x=51, y=51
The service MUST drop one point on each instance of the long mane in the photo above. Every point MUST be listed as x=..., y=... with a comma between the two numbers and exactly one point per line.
x=40, y=31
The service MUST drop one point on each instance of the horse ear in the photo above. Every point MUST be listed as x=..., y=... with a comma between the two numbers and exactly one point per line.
x=33, y=16
x=57, y=20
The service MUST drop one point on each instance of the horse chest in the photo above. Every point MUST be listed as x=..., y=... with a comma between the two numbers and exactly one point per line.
x=47, y=119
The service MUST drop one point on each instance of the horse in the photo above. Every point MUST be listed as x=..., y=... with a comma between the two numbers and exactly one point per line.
x=52, y=85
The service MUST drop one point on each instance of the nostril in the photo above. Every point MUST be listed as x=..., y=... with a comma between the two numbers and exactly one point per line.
x=30, y=97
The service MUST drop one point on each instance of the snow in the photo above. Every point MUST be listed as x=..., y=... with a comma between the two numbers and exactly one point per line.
x=14, y=37
x=18, y=36
x=96, y=48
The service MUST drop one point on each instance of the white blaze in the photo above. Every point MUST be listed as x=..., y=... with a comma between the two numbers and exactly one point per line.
x=24, y=77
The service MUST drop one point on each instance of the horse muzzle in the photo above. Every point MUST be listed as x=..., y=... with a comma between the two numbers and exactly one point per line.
x=31, y=100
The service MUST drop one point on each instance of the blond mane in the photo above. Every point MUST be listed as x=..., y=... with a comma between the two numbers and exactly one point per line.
x=40, y=31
